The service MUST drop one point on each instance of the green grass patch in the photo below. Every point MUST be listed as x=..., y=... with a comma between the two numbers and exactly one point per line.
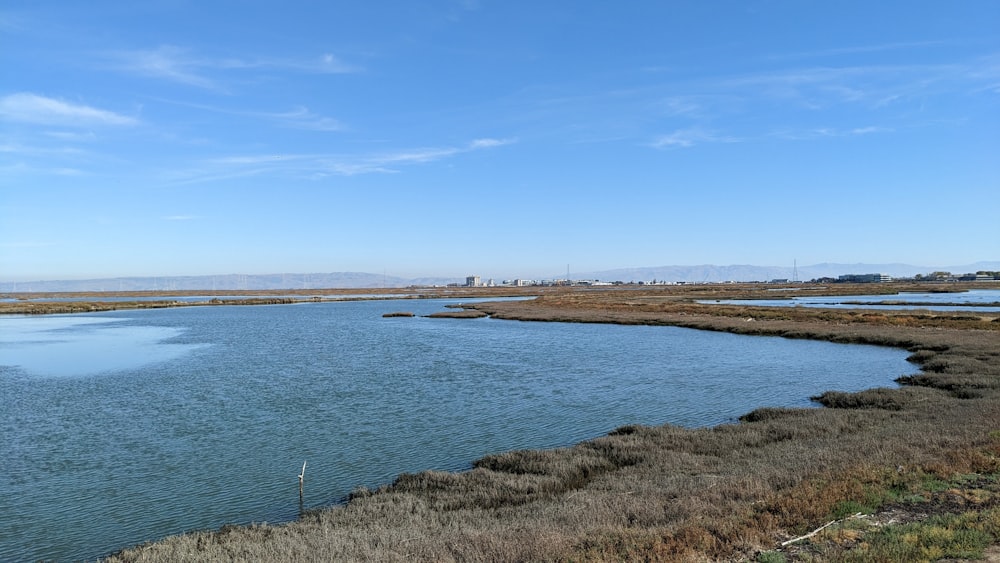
x=963, y=536
x=771, y=557
x=846, y=508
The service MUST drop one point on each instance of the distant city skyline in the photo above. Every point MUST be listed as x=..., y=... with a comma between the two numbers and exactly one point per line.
x=503, y=139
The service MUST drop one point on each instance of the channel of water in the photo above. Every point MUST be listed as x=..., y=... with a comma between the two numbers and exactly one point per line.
x=127, y=426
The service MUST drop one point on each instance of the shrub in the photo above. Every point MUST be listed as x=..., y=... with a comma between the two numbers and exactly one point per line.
x=878, y=398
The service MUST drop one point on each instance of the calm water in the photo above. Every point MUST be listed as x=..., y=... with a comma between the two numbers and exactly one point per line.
x=939, y=301
x=200, y=298
x=127, y=426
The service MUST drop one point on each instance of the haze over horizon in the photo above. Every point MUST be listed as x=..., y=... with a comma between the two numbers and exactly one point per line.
x=449, y=138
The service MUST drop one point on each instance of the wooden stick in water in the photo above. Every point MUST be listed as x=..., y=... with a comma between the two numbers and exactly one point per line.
x=302, y=477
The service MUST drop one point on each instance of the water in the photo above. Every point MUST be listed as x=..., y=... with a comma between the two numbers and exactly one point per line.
x=122, y=427
x=970, y=301
x=202, y=298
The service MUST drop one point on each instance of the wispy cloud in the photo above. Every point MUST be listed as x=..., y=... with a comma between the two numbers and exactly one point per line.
x=302, y=118
x=685, y=138
x=26, y=244
x=489, y=143
x=869, y=130
x=72, y=136
x=321, y=165
x=678, y=106
x=180, y=217
x=177, y=64
x=858, y=49
x=385, y=161
x=169, y=63
x=987, y=71
x=872, y=86
x=829, y=132
x=68, y=172
x=33, y=108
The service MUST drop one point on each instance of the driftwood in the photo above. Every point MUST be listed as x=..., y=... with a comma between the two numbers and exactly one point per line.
x=302, y=478
x=817, y=530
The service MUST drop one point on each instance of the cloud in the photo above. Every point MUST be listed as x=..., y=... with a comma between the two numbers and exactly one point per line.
x=180, y=217
x=829, y=132
x=868, y=130
x=16, y=148
x=32, y=108
x=327, y=64
x=861, y=49
x=874, y=86
x=176, y=64
x=302, y=118
x=321, y=165
x=489, y=143
x=685, y=138
x=68, y=172
x=382, y=162
x=169, y=63
x=72, y=136
x=26, y=244
x=298, y=118
x=678, y=105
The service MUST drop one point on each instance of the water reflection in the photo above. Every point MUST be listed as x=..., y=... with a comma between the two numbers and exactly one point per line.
x=981, y=300
x=73, y=346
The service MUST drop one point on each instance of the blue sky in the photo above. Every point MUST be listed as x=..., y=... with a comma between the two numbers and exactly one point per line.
x=503, y=138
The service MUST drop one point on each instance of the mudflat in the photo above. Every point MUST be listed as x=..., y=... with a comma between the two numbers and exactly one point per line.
x=898, y=474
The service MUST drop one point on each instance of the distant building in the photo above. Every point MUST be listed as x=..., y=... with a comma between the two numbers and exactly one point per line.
x=473, y=281
x=865, y=278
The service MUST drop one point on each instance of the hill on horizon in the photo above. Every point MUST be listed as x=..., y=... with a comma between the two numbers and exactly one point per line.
x=712, y=273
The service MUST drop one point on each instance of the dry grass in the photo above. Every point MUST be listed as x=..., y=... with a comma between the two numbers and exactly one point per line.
x=732, y=492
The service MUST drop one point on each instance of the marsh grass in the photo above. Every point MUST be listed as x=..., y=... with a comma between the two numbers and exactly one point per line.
x=963, y=536
x=937, y=519
x=731, y=492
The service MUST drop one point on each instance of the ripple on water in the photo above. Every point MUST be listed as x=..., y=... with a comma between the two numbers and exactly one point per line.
x=167, y=420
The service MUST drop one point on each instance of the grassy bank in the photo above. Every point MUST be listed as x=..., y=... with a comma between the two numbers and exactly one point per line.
x=927, y=450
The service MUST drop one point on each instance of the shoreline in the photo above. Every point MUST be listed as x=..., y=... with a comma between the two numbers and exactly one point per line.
x=776, y=499
x=34, y=303
x=94, y=302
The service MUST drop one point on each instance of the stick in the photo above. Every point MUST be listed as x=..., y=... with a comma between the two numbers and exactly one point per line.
x=809, y=535
x=302, y=477
x=817, y=530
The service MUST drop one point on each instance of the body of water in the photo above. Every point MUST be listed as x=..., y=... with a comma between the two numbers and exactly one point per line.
x=127, y=426
x=982, y=300
x=204, y=298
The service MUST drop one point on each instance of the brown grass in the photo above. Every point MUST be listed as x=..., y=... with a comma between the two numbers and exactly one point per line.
x=667, y=493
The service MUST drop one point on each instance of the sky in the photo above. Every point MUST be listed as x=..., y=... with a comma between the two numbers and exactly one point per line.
x=502, y=138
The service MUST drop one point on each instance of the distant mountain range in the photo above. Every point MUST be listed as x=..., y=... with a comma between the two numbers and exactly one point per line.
x=223, y=282
x=359, y=280
x=712, y=273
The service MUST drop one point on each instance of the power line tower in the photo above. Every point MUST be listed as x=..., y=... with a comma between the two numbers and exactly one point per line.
x=795, y=270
